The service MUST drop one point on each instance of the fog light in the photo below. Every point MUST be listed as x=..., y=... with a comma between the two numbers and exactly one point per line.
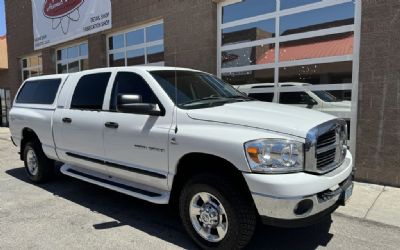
x=303, y=207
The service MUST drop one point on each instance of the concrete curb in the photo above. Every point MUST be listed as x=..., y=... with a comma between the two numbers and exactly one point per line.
x=374, y=203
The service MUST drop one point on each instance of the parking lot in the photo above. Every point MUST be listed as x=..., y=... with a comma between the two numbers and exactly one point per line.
x=70, y=214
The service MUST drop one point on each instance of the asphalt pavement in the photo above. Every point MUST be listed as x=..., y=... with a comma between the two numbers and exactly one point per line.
x=70, y=214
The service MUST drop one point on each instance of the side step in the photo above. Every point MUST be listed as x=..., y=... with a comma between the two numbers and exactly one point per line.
x=157, y=197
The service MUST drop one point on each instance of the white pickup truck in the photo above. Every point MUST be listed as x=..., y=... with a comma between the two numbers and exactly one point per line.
x=184, y=137
x=298, y=94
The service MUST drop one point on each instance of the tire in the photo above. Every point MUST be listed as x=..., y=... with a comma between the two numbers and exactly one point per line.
x=237, y=217
x=38, y=167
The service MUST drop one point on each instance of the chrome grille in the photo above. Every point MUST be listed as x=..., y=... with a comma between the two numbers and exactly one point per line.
x=326, y=139
x=324, y=150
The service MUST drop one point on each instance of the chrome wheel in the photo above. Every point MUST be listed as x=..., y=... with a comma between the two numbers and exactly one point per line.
x=208, y=217
x=32, y=162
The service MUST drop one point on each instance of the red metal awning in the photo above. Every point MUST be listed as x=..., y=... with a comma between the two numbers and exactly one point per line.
x=337, y=45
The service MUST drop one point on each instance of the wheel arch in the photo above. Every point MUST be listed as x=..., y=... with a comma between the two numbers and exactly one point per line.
x=197, y=163
x=27, y=135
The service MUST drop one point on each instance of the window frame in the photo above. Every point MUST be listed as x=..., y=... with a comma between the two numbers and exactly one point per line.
x=113, y=84
x=111, y=77
x=71, y=60
x=38, y=67
x=36, y=81
x=145, y=45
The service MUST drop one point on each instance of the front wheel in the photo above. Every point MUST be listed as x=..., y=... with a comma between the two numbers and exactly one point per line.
x=216, y=213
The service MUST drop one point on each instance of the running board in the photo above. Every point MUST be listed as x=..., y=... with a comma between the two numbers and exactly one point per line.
x=157, y=197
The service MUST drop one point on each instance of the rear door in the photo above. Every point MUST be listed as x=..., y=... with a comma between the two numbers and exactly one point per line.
x=136, y=149
x=79, y=125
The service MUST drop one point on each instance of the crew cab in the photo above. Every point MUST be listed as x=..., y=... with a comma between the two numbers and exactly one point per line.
x=184, y=137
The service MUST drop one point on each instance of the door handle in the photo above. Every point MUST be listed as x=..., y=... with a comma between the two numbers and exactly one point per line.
x=111, y=125
x=66, y=120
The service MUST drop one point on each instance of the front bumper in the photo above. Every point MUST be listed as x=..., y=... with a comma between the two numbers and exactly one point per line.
x=299, y=199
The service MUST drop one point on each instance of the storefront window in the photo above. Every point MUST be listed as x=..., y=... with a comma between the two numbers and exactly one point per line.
x=31, y=66
x=73, y=58
x=317, y=47
x=155, y=54
x=116, y=42
x=308, y=62
x=318, y=74
x=138, y=46
x=250, y=77
x=249, y=32
x=262, y=54
x=287, y=4
x=117, y=59
x=246, y=9
x=320, y=18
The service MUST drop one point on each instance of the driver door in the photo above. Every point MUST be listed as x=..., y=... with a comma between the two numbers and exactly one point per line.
x=136, y=145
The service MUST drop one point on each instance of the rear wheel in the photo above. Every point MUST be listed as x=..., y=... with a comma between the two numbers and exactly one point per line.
x=216, y=213
x=38, y=167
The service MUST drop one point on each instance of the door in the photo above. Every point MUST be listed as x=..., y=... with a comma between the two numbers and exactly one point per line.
x=136, y=145
x=78, y=128
x=4, y=107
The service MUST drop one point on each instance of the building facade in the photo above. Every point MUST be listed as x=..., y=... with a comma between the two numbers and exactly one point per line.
x=342, y=53
x=5, y=95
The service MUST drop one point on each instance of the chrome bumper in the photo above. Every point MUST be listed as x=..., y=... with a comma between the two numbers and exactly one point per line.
x=302, y=207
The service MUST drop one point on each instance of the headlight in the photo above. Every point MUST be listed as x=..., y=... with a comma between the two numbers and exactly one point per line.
x=274, y=155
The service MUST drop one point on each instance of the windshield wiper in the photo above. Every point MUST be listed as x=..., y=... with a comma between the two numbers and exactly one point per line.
x=220, y=99
x=204, y=99
x=241, y=97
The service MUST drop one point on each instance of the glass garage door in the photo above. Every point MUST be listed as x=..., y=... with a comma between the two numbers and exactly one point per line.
x=302, y=53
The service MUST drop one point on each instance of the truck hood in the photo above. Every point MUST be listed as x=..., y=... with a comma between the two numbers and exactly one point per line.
x=263, y=115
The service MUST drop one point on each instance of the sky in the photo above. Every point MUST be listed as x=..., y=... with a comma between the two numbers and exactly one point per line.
x=2, y=19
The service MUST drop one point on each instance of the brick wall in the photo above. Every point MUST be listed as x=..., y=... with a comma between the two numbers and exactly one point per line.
x=190, y=33
x=378, y=131
x=19, y=37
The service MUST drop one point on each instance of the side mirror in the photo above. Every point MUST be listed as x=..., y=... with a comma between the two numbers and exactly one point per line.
x=312, y=102
x=134, y=104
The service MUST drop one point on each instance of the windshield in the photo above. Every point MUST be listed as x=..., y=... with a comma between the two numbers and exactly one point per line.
x=326, y=96
x=196, y=89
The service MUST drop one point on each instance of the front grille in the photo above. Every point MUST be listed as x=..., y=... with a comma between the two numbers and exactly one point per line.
x=326, y=158
x=326, y=139
x=326, y=149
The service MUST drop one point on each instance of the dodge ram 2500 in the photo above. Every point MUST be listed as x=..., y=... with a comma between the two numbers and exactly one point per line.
x=185, y=137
